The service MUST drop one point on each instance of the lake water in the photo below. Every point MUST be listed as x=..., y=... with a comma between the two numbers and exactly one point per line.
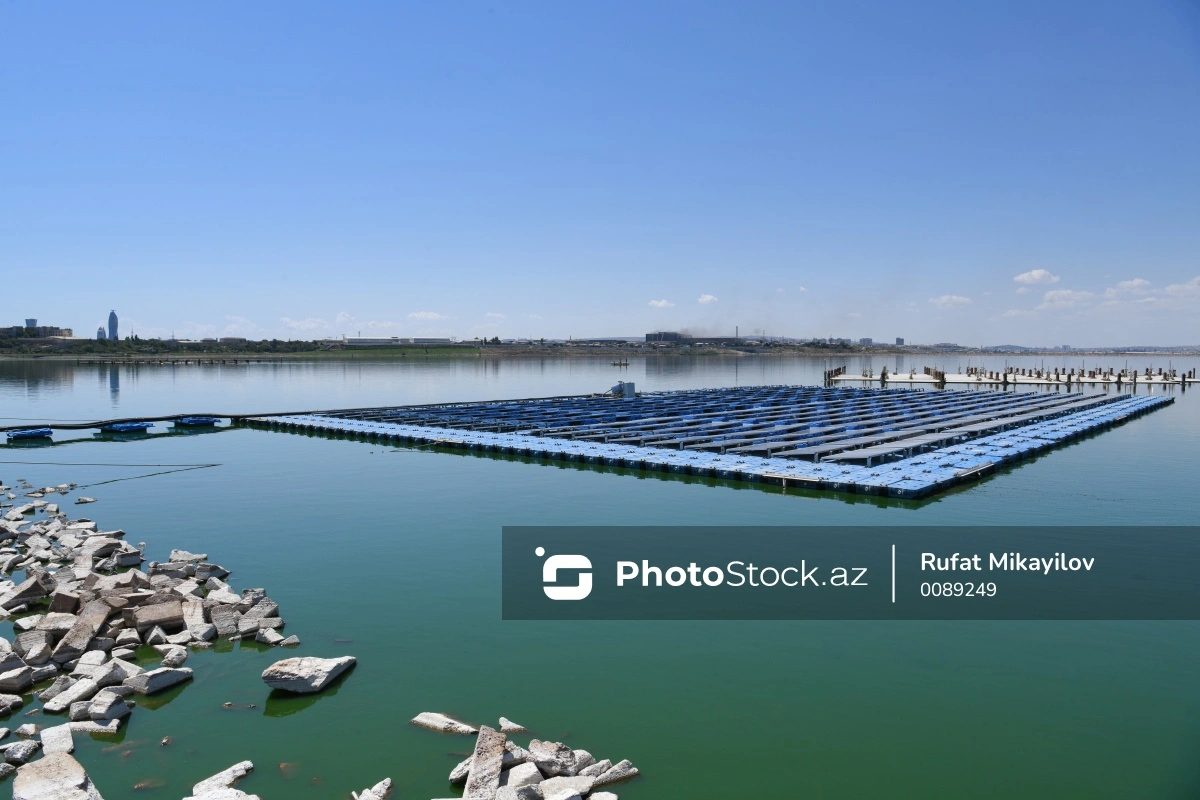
x=392, y=555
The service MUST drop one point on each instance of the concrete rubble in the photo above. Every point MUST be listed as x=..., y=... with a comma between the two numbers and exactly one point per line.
x=305, y=675
x=57, y=776
x=85, y=604
x=443, y=724
x=500, y=769
x=85, y=607
x=380, y=791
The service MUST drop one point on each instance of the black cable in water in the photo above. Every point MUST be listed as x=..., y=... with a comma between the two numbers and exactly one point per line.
x=75, y=464
x=150, y=475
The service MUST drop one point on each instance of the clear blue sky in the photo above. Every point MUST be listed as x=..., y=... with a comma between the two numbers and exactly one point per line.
x=549, y=169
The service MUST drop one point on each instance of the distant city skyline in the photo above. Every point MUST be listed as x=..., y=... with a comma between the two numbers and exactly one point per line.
x=975, y=173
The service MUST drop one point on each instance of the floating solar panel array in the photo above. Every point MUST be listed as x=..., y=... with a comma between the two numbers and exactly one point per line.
x=900, y=443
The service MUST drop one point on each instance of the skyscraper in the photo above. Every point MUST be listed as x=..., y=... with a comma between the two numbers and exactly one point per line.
x=100, y=335
x=112, y=326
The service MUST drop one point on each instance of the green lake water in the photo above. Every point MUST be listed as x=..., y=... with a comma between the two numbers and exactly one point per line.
x=393, y=555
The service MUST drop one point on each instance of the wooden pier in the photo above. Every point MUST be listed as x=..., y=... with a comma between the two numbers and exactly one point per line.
x=1013, y=376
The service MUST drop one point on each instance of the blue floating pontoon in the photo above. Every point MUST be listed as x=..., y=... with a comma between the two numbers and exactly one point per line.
x=900, y=443
x=31, y=433
x=196, y=422
x=127, y=427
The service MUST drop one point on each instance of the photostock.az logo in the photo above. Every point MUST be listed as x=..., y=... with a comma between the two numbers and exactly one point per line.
x=565, y=562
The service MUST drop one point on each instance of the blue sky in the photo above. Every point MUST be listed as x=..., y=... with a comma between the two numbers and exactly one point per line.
x=1022, y=172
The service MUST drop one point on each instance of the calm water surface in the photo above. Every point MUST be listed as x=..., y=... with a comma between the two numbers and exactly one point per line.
x=393, y=556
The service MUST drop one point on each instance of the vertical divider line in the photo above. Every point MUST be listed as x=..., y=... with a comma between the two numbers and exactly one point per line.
x=893, y=573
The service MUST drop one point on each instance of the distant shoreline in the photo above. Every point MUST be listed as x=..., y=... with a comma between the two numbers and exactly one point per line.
x=524, y=352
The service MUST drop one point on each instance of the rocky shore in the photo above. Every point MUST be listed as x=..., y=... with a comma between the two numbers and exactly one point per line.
x=89, y=606
x=500, y=769
x=87, y=603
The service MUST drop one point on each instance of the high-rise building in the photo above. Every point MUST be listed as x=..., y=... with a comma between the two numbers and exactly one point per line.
x=30, y=323
x=100, y=334
x=112, y=326
x=900, y=340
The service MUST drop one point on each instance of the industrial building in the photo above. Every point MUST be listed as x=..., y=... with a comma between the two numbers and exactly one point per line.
x=31, y=330
x=389, y=341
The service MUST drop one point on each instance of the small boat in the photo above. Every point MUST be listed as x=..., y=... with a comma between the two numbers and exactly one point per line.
x=126, y=427
x=196, y=422
x=31, y=433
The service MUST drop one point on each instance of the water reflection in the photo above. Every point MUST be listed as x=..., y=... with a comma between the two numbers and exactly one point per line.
x=284, y=704
x=37, y=389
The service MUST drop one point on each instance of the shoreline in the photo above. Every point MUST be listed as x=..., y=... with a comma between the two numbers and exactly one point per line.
x=523, y=352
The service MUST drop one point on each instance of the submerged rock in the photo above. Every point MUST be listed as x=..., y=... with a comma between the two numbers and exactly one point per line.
x=442, y=724
x=508, y=726
x=621, y=771
x=305, y=675
x=380, y=791
x=220, y=786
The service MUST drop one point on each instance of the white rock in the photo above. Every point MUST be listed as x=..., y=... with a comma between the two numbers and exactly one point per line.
x=508, y=726
x=563, y=787
x=173, y=655
x=443, y=724
x=521, y=775
x=56, y=776
x=80, y=690
x=107, y=705
x=58, y=739
x=553, y=758
x=91, y=726
x=622, y=770
x=224, y=779
x=486, y=763
x=531, y=792
x=305, y=675
x=268, y=637
x=156, y=680
x=380, y=791
x=115, y=672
